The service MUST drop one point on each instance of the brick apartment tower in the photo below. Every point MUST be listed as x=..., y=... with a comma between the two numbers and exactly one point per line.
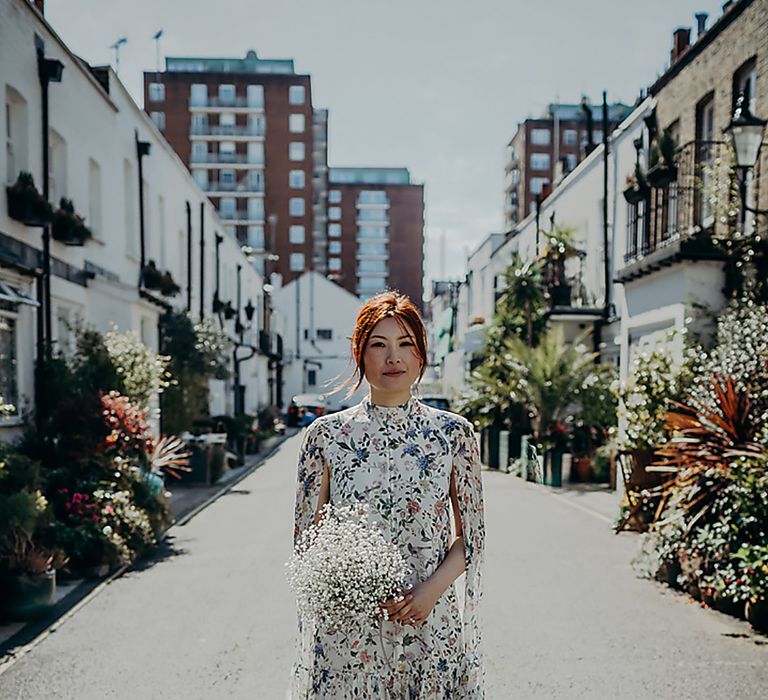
x=248, y=132
x=376, y=231
x=545, y=148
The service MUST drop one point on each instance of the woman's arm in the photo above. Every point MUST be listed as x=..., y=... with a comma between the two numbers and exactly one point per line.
x=325, y=492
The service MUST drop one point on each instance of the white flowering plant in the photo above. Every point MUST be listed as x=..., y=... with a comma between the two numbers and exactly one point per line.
x=343, y=568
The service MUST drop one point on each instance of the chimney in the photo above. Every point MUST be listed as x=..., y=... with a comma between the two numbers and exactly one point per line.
x=40, y=5
x=681, y=40
x=701, y=23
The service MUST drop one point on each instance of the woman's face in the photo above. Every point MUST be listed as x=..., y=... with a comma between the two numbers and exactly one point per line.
x=392, y=363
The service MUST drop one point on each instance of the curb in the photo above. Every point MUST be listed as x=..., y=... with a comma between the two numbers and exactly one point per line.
x=10, y=658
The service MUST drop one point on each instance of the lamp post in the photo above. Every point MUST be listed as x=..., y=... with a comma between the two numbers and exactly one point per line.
x=746, y=131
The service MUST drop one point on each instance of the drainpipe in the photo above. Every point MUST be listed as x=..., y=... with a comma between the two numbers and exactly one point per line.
x=202, y=261
x=142, y=149
x=189, y=257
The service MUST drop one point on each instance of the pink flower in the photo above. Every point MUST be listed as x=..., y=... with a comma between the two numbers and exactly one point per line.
x=413, y=507
x=364, y=656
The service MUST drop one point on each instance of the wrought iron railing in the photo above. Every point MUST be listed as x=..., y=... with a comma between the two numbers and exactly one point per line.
x=681, y=201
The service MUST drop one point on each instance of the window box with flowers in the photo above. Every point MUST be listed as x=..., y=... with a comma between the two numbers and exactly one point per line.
x=26, y=204
x=637, y=188
x=154, y=279
x=662, y=169
x=68, y=227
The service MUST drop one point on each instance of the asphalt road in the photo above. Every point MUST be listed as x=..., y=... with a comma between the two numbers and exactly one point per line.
x=565, y=616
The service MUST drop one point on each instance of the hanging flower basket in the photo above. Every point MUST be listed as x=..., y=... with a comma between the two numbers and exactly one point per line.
x=68, y=227
x=634, y=194
x=26, y=204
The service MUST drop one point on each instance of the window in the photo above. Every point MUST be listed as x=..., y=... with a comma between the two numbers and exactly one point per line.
x=94, y=198
x=201, y=178
x=370, y=231
x=296, y=123
x=227, y=207
x=570, y=161
x=256, y=181
x=372, y=284
x=227, y=94
x=334, y=264
x=334, y=213
x=540, y=161
x=296, y=150
x=312, y=376
x=256, y=237
x=9, y=387
x=129, y=189
x=16, y=128
x=540, y=137
x=334, y=230
x=744, y=81
x=257, y=125
x=296, y=95
x=199, y=122
x=325, y=334
x=334, y=247
x=538, y=184
x=334, y=196
x=156, y=92
x=372, y=215
x=705, y=154
x=199, y=151
x=227, y=119
x=57, y=167
x=297, y=262
x=296, y=206
x=159, y=119
x=198, y=94
x=296, y=179
x=255, y=96
x=372, y=266
x=296, y=234
x=227, y=177
x=570, y=137
x=372, y=249
x=256, y=152
x=227, y=147
x=372, y=197
x=255, y=209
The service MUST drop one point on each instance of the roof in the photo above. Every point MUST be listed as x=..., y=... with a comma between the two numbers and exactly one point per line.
x=250, y=64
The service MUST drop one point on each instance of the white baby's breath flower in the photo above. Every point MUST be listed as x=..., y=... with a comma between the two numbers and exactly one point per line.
x=343, y=568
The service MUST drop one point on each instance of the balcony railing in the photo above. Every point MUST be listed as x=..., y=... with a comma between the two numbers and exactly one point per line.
x=242, y=158
x=241, y=215
x=217, y=102
x=244, y=186
x=228, y=130
x=679, y=207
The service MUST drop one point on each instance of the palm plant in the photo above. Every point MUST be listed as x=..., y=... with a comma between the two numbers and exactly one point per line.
x=524, y=292
x=545, y=378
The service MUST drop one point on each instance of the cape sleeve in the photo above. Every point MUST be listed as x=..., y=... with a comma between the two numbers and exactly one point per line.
x=469, y=492
x=310, y=478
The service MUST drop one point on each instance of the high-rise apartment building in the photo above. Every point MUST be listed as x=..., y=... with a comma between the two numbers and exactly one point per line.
x=546, y=147
x=248, y=132
x=376, y=231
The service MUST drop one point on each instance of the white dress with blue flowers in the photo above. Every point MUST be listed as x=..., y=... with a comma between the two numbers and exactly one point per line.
x=399, y=460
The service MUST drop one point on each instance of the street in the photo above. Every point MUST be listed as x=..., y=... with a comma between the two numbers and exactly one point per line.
x=565, y=616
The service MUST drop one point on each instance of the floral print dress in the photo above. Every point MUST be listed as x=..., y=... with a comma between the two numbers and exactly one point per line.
x=400, y=460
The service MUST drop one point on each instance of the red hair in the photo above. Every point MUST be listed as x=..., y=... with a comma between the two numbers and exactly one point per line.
x=389, y=304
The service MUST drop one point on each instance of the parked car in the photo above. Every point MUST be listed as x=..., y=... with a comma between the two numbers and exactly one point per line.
x=437, y=401
x=304, y=408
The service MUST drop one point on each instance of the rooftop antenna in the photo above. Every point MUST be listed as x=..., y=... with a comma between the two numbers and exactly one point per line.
x=156, y=37
x=116, y=46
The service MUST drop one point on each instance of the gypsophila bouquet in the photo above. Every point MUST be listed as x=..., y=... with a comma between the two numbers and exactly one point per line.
x=343, y=568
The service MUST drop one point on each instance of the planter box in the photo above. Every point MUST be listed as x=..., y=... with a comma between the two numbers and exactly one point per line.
x=661, y=175
x=30, y=213
x=27, y=597
x=69, y=231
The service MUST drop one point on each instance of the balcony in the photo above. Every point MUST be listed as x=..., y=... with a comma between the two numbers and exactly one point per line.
x=242, y=216
x=216, y=103
x=228, y=131
x=226, y=158
x=242, y=187
x=676, y=220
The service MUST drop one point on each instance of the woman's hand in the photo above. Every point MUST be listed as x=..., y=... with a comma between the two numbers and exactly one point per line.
x=415, y=607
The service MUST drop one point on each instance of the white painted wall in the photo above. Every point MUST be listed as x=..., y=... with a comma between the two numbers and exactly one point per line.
x=323, y=305
x=99, y=128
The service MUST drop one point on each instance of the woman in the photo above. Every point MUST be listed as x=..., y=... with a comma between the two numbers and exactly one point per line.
x=408, y=461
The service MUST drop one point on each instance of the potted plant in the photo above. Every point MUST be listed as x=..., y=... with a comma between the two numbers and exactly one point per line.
x=69, y=227
x=151, y=277
x=229, y=311
x=168, y=286
x=662, y=169
x=26, y=204
x=637, y=186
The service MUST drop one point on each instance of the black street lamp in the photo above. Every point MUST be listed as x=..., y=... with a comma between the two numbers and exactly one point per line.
x=746, y=131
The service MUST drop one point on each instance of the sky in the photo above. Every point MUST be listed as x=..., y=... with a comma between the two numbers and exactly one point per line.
x=437, y=86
